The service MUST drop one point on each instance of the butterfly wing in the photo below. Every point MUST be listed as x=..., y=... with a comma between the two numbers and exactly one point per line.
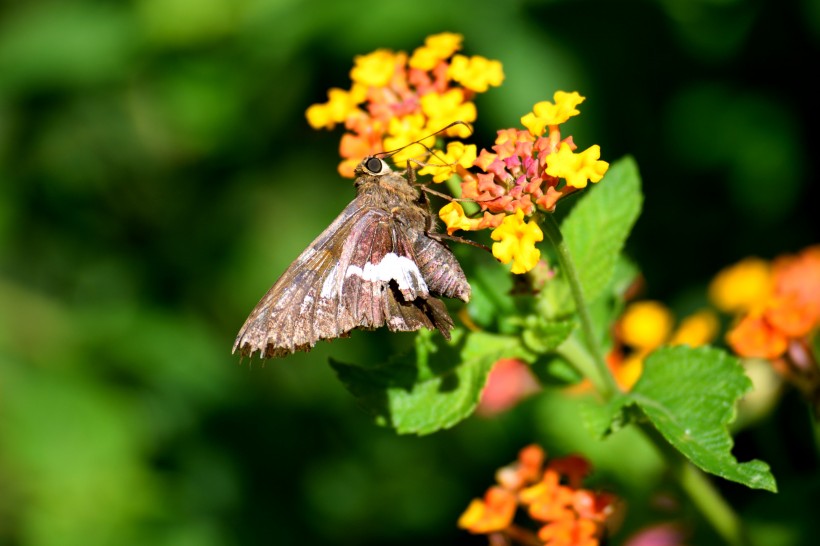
x=361, y=272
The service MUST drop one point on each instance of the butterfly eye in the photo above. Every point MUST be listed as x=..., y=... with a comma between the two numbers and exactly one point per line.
x=373, y=165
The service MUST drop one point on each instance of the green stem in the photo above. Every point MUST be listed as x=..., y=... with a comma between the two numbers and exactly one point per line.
x=711, y=504
x=607, y=387
x=574, y=351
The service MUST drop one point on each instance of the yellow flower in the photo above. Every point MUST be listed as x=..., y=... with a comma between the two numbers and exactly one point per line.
x=629, y=371
x=577, y=168
x=516, y=242
x=696, y=330
x=375, y=69
x=476, y=73
x=445, y=108
x=339, y=106
x=645, y=325
x=403, y=131
x=436, y=48
x=743, y=286
x=452, y=214
x=546, y=113
x=443, y=166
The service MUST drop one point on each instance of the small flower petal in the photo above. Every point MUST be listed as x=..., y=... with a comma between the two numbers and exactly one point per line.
x=516, y=242
x=492, y=513
x=443, y=166
x=436, y=48
x=374, y=69
x=645, y=325
x=546, y=113
x=577, y=169
x=452, y=214
x=743, y=286
x=696, y=330
x=753, y=336
x=476, y=73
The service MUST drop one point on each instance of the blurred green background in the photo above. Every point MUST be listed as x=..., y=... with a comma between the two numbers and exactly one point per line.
x=157, y=174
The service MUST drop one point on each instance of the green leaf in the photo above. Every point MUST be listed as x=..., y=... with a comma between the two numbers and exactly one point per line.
x=541, y=335
x=433, y=389
x=690, y=397
x=490, y=284
x=597, y=227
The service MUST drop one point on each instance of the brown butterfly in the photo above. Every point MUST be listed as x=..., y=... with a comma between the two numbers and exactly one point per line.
x=379, y=263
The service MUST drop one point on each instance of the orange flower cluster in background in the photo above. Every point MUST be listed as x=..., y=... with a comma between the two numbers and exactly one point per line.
x=397, y=99
x=776, y=303
x=776, y=310
x=646, y=325
x=563, y=513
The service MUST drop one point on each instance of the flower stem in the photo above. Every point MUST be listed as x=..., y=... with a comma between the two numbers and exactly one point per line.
x=711, y=504
x=607, y=387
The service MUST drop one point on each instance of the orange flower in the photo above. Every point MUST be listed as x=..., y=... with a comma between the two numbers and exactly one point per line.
x=753, y=336
x=569, y=531
x=526, y=470
x=493, y=513
x=572, y=515
x=547, y=500
x=788, y=308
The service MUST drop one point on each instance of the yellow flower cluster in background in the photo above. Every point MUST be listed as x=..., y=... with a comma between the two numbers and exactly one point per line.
x=396, y=99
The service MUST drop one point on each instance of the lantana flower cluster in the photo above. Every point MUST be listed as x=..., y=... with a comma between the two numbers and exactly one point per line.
x=397, y=99
x=776, y=310
x=526, y=170
x=776, y=303
x=561, y=511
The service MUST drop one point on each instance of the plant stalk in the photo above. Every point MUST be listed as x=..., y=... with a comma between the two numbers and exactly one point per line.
x=607, y=387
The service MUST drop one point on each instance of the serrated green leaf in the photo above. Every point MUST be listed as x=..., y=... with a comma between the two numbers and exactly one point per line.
x=597, y=227
x=689, y=395
x=434, y=388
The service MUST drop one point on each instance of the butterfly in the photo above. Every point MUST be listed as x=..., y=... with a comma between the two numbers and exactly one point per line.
x=380, y=263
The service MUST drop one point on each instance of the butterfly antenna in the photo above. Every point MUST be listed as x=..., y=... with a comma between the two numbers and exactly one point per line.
x=420, y=142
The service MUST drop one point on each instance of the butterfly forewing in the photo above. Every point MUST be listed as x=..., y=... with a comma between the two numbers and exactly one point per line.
x=375, y=265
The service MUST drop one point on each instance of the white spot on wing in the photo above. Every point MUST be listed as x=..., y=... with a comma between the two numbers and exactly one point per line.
x=392, y=267
x=329, y=286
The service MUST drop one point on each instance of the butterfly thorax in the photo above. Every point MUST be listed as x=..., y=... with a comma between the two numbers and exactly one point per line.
x=394, y=193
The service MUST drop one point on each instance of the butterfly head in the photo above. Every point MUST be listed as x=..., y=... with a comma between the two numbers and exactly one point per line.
x=373, y=166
